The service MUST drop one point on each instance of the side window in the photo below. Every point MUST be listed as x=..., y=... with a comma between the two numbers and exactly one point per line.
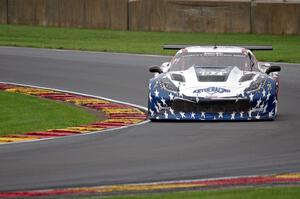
x=177, y=63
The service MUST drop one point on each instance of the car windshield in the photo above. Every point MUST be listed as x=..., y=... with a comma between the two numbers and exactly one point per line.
x=211, y=60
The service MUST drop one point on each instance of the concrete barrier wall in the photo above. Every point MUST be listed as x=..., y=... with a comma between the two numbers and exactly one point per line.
x=147, y=15
x=260, y=16
x=110, y=14
x=189, y=16
x=208, y=17
x=276, y=18
x=3, y=11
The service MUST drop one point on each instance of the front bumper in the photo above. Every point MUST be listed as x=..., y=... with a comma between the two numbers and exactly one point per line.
x=255, y=105
x=211, y=105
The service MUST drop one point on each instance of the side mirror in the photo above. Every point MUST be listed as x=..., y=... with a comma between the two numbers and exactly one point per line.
x=155, y=69
x=166, y=64
x=273, y=69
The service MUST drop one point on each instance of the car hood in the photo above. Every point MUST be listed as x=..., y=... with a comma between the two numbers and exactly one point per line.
x=212, y=82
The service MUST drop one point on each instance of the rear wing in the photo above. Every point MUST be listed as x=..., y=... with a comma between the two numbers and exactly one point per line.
x=249, y=47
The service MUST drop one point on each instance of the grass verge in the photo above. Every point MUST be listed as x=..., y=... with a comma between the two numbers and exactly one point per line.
x=285, y=46
x=20, y=113
x=248, y=193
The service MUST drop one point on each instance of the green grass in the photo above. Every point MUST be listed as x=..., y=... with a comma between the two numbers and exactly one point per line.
x=250, y=193
x=21, y=113
x=286, y=48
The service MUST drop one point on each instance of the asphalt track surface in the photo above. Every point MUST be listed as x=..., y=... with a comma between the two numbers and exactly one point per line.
x=145, y=153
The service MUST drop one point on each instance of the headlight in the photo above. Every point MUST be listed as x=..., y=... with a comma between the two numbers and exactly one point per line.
x=256, y=85
x=177, y=77
x=168, y=85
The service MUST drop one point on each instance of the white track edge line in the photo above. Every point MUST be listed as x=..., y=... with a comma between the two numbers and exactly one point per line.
x=183, y=181
x=89, y=51
x=162, y=182
x=89, y=133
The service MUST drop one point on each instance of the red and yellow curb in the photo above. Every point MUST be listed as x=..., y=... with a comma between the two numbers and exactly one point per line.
x=118, y=114
x=281, y=179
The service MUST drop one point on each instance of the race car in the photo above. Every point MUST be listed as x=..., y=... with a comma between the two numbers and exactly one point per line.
x=213, y=83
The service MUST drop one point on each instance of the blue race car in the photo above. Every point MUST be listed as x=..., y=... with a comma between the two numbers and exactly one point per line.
x=213, y=83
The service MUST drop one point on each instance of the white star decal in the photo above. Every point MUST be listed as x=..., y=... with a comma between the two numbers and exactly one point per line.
x=171, y=111
x=193, y=115
x=156, y=108
x=242, y=114
x=262, y=106
x=171, y=96
x=251, y=97
x=197, y=99
x=258, y=102
x=220, y=114
x=271, y=114
x=250, y=113
x=166, y=115
x=151, y=112
x=203, y=114
x=182, y=114
x=180, y=93
x=264, y=93
x=232, y=116
x=163, y=101
x=159, y=106
x=268, y=96
x=156, y=93
x=257, y=116
x=265, y=108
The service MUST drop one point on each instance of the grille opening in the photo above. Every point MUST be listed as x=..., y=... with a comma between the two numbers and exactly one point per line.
x=228, y=106
x=212, y=78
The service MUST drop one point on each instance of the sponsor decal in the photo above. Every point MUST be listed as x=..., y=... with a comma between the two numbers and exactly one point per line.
x=212, y=90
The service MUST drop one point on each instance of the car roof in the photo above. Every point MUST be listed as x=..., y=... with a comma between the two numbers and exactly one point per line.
x=215, y=49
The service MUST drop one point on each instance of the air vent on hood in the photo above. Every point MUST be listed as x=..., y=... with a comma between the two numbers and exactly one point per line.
x=177, y=77
x=247, y=77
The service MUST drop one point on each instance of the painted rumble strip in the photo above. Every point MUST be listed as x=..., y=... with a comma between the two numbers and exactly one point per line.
x=119, y=115
x=160, y=186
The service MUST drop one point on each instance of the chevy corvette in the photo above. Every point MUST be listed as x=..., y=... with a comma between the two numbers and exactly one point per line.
x=213, y=83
